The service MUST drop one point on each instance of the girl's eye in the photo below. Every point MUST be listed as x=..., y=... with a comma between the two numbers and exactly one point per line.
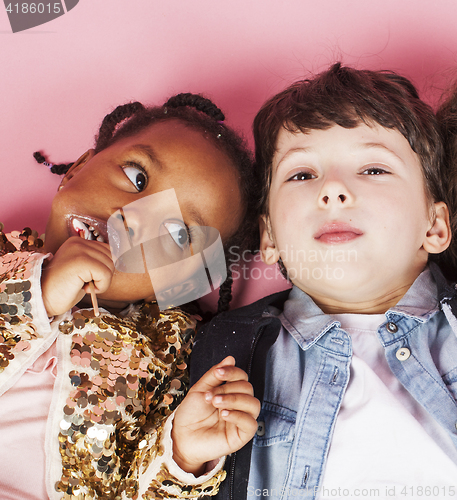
x=302, y=176
x=179, y=233
x=374, y=171
x=137, y=176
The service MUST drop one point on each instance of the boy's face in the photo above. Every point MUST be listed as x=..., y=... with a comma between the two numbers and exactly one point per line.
x=349, y=217
x=167, y=155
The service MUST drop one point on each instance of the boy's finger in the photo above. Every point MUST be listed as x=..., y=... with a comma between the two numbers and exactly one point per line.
x=212, y=378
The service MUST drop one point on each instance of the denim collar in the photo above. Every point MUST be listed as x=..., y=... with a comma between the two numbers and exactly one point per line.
x=307, y=323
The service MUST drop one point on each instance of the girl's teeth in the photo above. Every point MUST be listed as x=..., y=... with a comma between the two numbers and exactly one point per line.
x=80, y=227
x=90, y=233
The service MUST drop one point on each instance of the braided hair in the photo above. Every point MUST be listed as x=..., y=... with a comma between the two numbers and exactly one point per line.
x=201, y=114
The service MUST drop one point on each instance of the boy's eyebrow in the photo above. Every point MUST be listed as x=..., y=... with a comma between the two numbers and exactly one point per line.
x=293, y=151
x=379, y=145
x=363, y=145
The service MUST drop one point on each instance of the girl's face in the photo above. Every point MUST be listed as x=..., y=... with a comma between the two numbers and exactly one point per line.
x=166, y=155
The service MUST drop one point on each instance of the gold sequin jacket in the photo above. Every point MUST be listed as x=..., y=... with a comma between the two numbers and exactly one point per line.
x=118, y=381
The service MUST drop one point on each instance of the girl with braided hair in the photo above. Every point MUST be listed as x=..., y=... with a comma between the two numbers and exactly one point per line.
x=87, y=401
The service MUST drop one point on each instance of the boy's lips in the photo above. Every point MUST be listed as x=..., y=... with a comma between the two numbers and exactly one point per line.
x=93, y=229
x=337, y=232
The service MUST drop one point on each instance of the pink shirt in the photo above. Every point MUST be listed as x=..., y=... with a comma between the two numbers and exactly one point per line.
x=24, y=412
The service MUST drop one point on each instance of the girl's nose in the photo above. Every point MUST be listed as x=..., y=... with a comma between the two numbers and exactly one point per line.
x=130, y=230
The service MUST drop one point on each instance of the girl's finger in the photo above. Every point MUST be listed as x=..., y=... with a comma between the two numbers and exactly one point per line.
x=230, y=374
x=245, y=424
x=211, y=378
x=241, y=386
x=237, y=402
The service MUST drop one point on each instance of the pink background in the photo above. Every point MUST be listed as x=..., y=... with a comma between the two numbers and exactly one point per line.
x=58, y=80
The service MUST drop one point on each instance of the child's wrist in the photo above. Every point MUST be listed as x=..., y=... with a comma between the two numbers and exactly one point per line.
x=197, y=469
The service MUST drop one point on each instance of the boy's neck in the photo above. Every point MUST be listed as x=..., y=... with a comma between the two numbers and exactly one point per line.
x=377, y=306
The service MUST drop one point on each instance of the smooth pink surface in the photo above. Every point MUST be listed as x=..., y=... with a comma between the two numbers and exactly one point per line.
x=59, y=80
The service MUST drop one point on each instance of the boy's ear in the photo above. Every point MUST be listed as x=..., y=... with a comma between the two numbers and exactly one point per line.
x=77, y=166
x=438, y=236
x=268, y=251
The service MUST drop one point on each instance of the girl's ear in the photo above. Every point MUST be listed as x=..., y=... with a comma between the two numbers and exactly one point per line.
x=268, y=251
x=438, y=236
x=77, y=166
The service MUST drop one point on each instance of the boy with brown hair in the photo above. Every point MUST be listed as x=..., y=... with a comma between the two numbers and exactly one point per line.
x=356, y=366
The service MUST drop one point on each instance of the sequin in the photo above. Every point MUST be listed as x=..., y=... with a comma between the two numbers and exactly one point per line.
x=102, y=434
x=65, y=425
x=22, y=345
x=66, y=327
x=68, y=411
x=79, y=323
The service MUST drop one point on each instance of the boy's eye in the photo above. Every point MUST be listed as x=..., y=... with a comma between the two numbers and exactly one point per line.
x=302, y=176
x=137, y=176
x=375, y=171
x=179, y=233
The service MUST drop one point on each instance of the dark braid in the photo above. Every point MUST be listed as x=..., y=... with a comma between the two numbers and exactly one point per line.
x=60, y=169
x=199, y=113
x=113, y=120
x=225, y=293
x=198, y=102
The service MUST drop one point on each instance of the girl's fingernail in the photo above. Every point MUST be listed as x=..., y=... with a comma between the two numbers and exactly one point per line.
x=217, y=400
x=220, y=371
x=225, y=413
x=208, y=397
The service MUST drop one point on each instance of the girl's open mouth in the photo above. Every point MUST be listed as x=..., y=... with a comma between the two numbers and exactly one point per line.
x=91, y=228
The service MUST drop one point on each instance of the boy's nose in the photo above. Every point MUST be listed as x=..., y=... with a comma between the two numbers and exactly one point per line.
x=335, y=193
x=341, y=197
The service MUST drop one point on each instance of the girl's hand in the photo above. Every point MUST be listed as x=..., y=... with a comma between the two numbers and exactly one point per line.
x=65, y=279
x=215, y=418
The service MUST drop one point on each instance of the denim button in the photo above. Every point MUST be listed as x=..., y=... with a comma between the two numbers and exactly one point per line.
x=392, y=327
x=403, y=354
x=260, y=429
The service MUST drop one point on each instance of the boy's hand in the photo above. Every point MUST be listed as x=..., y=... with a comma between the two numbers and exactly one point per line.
x=64, y=280
x=215, y=418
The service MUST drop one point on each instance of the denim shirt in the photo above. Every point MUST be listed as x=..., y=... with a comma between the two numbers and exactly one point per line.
x=308, y=372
